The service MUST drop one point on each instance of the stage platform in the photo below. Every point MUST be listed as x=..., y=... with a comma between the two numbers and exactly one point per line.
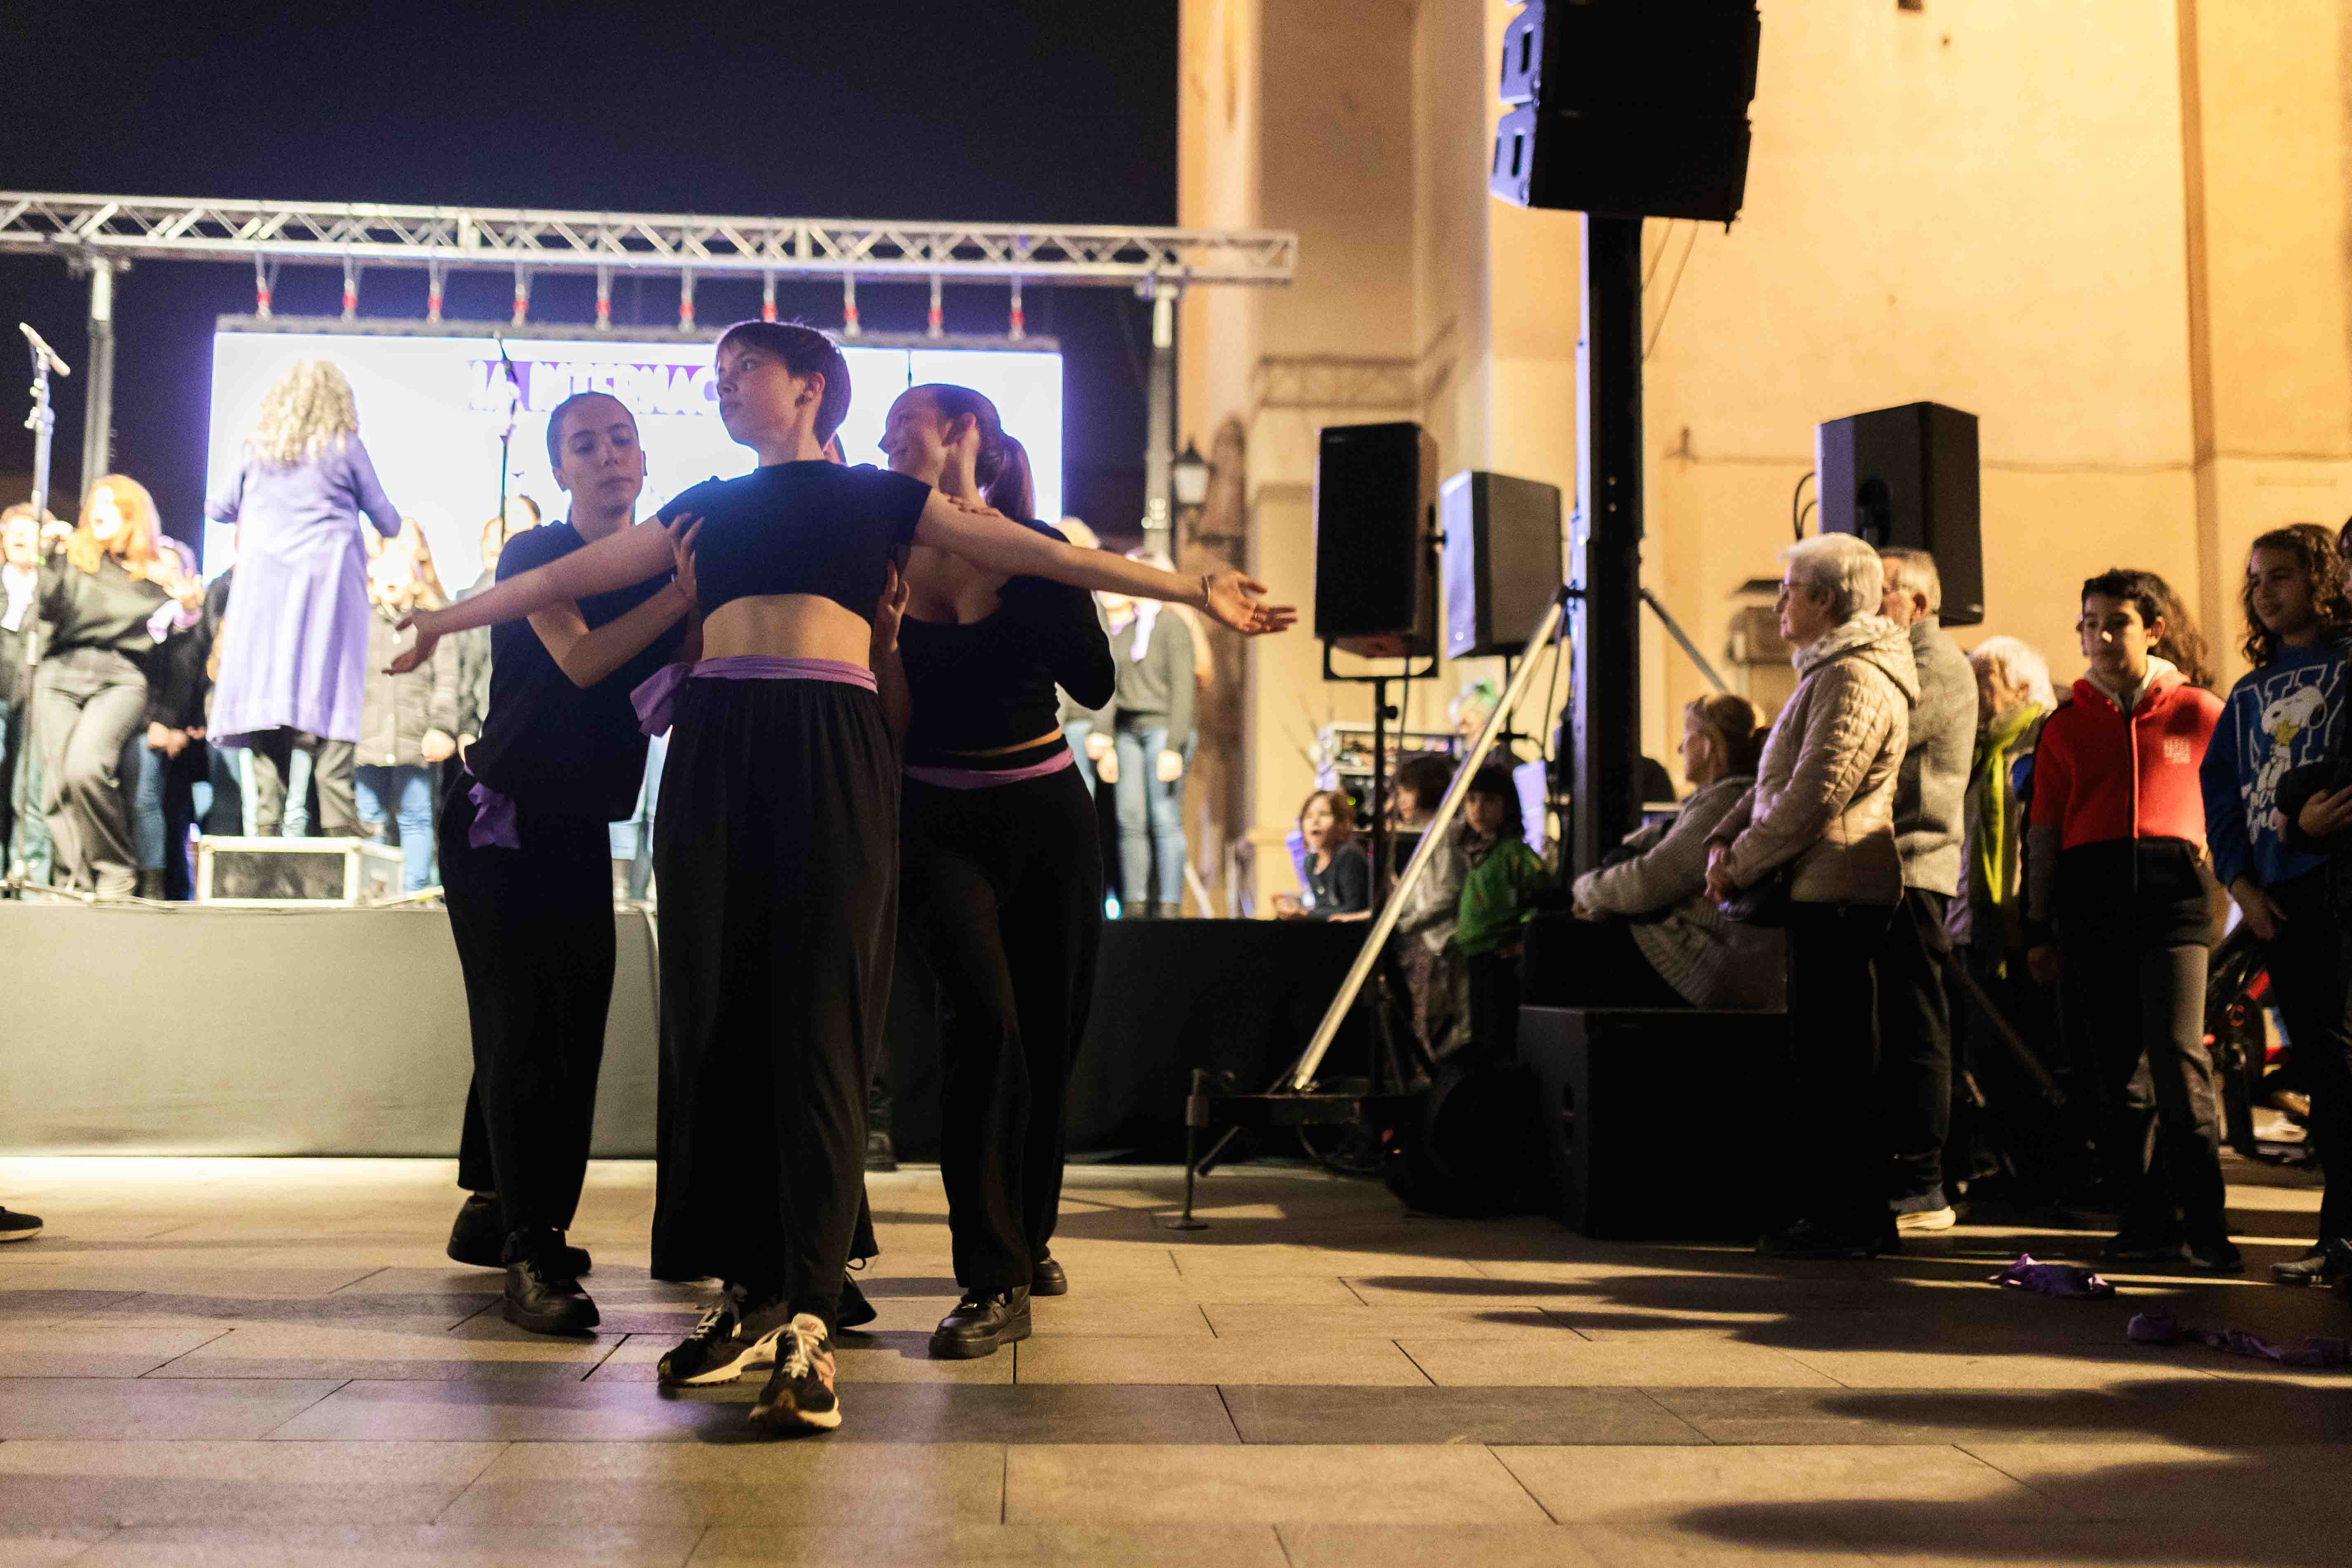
x=267, y=1363
x=198, y=1030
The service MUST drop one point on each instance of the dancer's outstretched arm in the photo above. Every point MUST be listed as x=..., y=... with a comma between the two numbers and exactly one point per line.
x=996, y=543
x=615, y=561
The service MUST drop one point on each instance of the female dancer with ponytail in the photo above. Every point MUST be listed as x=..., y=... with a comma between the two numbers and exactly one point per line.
x=1000, y=876
x=777, y=843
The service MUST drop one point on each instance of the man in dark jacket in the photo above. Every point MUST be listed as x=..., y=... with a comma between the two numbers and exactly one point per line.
x=1914, y=1014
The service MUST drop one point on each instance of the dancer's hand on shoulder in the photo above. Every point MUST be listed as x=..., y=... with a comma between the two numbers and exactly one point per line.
x=682, y=529
x=1232, y=598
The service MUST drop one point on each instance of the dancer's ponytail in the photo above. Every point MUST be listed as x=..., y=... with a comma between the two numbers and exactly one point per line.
x=1010, y=490
x=1002, y=466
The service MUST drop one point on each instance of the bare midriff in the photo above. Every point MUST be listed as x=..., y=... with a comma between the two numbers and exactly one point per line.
x=787, y=626
x=1008, y=751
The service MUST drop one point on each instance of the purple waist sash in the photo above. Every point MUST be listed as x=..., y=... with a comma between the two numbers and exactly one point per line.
x=980, y=778
x=657, y=700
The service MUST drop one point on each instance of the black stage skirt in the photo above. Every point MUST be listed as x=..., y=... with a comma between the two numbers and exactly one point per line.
x=777, y=853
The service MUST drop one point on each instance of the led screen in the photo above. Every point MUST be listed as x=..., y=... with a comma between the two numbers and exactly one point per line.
x=431, y=409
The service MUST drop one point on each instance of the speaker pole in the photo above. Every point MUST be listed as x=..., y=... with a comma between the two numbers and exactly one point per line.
x=1606, y=559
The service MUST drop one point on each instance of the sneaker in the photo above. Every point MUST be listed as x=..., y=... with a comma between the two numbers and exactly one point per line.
x=16, y=1226
x=855, y=1311
x=479, y=1237
x=799, y=1395
x=1930, y=1210
x=1809, y=1238
x=733, y=1338
x=881, y=1153
x=2219, y=1255
x=1046, y=1277
x=539, y=1296
x=982, y=1325
x=2326, y=1264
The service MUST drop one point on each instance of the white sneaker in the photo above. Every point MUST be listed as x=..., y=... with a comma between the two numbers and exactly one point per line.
x=1944, y=1218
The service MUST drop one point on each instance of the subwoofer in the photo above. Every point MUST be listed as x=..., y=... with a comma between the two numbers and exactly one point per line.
x=1375, y=506
x=1908, y=476
x=1664, y=1124
x=1501, y=561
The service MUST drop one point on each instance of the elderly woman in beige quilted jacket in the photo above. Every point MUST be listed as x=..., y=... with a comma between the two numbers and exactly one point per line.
x=1819, y=821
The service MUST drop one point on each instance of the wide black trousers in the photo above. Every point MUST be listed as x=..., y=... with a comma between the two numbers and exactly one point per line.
x=777, y=854
x=1837, y=1161
x=1001, y=905
x=534, y=933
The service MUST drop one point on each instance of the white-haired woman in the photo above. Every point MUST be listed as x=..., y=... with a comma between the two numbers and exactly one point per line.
x=295, y=646
x=1819, y=819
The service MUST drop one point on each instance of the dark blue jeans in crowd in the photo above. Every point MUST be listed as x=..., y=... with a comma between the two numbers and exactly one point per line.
x=402, y=793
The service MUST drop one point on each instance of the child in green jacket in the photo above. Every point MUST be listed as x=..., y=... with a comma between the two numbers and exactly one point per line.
x=1499, y=895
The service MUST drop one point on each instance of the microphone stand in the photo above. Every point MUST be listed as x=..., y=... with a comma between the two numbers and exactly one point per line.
x=506, y=437
x=43, y=420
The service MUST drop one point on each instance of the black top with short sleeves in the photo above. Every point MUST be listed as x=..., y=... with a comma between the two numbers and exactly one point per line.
x=799, y=527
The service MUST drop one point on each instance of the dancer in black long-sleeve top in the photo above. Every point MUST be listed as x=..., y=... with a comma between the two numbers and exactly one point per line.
x=1001, y=877
x=777, y=843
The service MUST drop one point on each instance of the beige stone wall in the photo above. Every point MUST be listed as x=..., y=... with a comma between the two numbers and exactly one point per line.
x=2115, y=230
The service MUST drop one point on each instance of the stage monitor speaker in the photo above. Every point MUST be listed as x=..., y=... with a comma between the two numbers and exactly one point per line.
x=1909, y=477
x=1627, y=108
x=1618, y=1170
x=1501, y=561
x=1375, y=505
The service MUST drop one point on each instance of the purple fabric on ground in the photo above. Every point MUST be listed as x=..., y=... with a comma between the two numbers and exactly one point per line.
x=2062, y=1280
x=2161, y=1329
x=294, y=645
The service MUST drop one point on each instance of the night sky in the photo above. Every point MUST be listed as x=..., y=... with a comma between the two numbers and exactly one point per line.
x=977, y=111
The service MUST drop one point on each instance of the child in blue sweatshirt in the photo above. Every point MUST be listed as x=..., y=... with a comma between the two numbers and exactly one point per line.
x=2282, y=715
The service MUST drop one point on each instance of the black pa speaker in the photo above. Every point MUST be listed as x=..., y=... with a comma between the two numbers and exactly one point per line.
x=1907, y=477
x=1501, y=561
x=1618, y=1170
x=1375, y=504
x=1627, y=108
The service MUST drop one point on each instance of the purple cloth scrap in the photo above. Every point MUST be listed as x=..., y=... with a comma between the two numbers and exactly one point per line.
x=2160, y=1328
x=494, y=820
x=980, y=778
x=2062, y=1280
x=656, y=700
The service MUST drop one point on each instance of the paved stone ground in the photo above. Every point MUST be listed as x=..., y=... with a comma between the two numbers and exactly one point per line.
x=269, y=1361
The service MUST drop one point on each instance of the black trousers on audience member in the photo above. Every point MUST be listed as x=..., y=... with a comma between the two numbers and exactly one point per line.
x=1838, y=1166
x=1000, y=908
x=334, y=773
x=777, y=851
x=2310, y=963
x=2143, y=1009
x=534, y=932
x=1914, y=1087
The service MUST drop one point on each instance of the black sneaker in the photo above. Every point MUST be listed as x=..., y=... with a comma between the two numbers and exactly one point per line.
x=980, y=1324
x=1811, y=1239
x=16, y=1226
x=540, y=1296
x=1046, y=1278
x=479, y=1237
x=2326, y=1264
x=799, y=1395
x=855, y=1311
x=2219, y=1255
x=733, y=1338
x=881, y=1153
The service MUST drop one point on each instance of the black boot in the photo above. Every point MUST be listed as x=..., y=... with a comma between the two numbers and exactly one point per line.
x=981, y=1323
x=541, y=1295
x=855, y=1311
x=1046, y=1278
x=479, y=1237
x=2327, y=1263
x=881, y=1153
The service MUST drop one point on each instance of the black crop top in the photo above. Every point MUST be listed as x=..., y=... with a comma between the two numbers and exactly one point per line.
x=979, y=686
x=799, y=527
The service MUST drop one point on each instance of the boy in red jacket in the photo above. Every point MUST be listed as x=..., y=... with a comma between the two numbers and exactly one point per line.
x=2116, y=863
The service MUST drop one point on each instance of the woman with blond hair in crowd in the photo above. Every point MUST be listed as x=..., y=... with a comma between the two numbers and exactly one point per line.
x=89, y=694
x=290, y=665
x=1648, y=934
